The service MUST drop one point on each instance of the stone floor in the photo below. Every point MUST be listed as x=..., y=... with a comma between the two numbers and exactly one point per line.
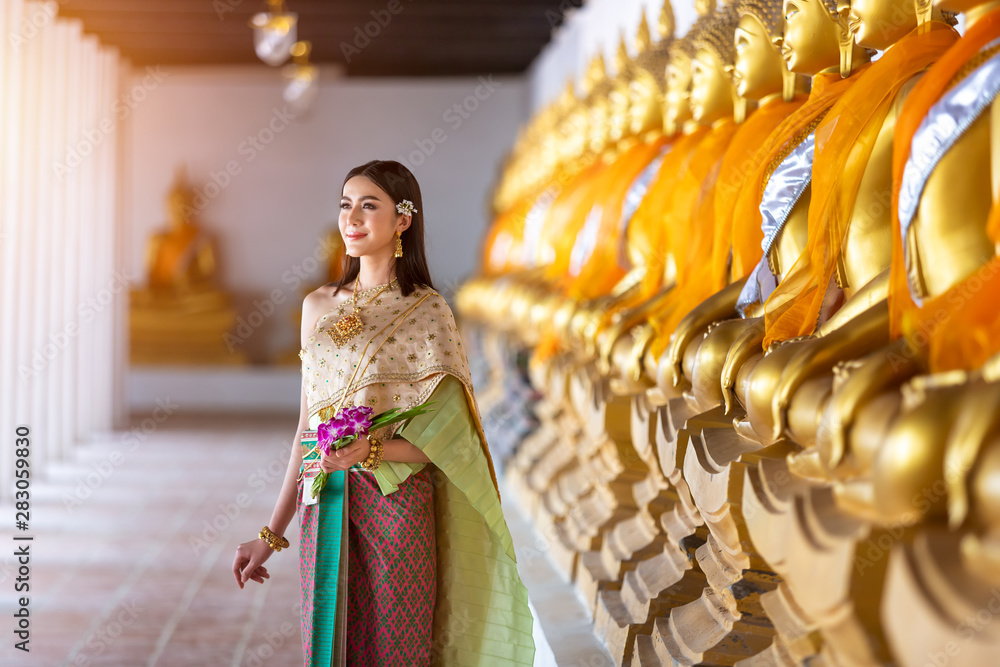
x=133, y=546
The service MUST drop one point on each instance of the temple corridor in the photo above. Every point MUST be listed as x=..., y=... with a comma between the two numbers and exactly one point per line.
x=133, y=543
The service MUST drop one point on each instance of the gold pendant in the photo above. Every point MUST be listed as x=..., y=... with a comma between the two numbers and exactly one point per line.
x=346, y=328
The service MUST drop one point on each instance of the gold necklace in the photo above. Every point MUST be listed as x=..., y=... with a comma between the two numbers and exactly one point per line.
x=349, y=326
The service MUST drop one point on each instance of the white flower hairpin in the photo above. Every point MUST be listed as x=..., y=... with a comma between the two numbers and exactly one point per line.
x=406, y=206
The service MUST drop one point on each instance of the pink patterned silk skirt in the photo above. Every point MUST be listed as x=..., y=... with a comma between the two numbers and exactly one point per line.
x=392, y=572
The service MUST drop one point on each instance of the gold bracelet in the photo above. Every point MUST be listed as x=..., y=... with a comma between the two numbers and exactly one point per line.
x=274, y=541
x=374, y=453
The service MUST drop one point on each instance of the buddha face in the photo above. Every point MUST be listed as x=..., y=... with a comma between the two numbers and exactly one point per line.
x=758, y=68
x=368, y=219
x=878, y=24
x=644, y=103
x=677, y=107
x=711, y=88
x=809, y=44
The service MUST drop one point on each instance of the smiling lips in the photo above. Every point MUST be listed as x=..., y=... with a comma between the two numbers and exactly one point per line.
x=355, y=235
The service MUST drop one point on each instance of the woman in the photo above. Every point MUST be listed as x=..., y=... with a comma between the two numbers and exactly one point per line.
x=407, y=561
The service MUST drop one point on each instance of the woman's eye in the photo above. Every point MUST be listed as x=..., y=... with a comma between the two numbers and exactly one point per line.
x=371, y=206
x=345, y=205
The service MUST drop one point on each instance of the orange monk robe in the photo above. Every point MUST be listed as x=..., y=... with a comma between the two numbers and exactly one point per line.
x=503, y=246
x=171, y=255
x=565, y=218
x=717, y=205
x=959, y=329
x=649, y=230
x=746, y=231
x=689, y=240
x=597, y=274
x=641, y=243
x=605, y=187
x=844, y=141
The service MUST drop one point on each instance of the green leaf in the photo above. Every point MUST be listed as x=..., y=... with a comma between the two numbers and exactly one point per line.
x=319, y=482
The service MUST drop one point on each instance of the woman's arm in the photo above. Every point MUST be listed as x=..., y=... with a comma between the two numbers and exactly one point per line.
x=250, y=556
x=397, y=449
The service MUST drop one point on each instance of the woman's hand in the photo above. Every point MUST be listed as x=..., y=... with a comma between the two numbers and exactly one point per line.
x=249, y=561
x=346, y=456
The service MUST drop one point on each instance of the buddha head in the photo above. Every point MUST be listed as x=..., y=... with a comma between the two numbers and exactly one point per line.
x=597, y=105
x=618, y=94
x=759, y=69
x=712, y=89
x=646, y=87
x=180, y=200
x=811, y=40
x=878, y=24
x=677, y=100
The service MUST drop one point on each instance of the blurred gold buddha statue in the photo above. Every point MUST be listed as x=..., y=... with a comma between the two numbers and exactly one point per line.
x=181, y=316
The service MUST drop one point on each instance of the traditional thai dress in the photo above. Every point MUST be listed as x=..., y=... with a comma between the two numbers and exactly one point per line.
x=411, y=564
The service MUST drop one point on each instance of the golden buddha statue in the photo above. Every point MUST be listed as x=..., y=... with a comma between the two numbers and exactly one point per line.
x=691, y=230
x=779, y=194
x=610, y=278
x=942, y=325
x=761, y=75
x=644, y=234
x=837, y=288
x=181, y=317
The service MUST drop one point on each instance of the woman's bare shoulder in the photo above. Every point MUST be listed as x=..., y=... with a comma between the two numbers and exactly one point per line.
x=319, y=302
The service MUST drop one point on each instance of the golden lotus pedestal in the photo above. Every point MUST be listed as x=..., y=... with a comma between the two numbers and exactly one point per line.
x=168, y=327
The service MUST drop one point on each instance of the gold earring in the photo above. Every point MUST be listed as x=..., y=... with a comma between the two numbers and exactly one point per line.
x=787, y=83
x=399, y=244
x=846, y=41
x=924, y=11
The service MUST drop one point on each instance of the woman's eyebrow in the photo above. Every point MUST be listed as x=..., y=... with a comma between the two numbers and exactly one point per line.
x=362, y=197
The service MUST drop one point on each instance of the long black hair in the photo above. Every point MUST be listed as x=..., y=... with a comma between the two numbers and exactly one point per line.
x=399, y=183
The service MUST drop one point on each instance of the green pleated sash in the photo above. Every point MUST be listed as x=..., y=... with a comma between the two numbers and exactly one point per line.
x=328, y=597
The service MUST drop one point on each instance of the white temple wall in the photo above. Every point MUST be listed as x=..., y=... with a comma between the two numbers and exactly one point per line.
x=270, y=183
x=595, y=27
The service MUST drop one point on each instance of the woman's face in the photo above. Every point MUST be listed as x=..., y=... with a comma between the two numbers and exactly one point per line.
x=368, y=219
